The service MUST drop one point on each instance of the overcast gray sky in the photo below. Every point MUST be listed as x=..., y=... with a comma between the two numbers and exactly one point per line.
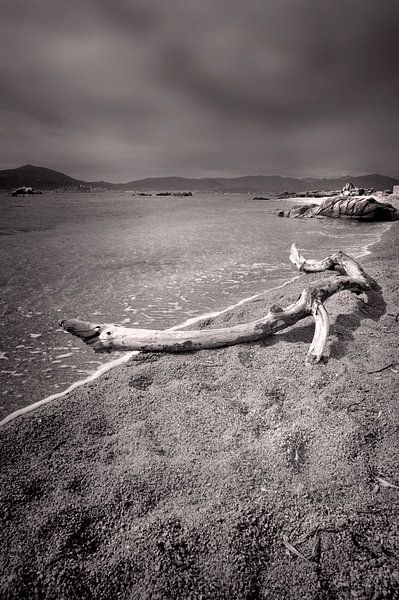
x=124, y=89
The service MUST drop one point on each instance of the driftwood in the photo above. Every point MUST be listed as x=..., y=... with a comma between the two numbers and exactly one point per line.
x=105, y=338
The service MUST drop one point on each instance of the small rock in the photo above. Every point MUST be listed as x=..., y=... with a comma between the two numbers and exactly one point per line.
x=369, y=591
x=395, y=577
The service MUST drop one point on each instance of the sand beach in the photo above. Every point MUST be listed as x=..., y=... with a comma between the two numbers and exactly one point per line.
x=232, y=473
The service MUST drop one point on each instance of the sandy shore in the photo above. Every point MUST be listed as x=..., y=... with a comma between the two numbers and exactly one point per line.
x=184, y=476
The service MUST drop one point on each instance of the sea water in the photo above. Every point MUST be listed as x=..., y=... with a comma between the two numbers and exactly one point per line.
x=147, y=262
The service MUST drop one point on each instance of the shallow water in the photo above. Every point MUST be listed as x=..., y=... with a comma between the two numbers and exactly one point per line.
x=149, y=262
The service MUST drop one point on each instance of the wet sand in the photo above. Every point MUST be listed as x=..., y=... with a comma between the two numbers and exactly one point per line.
x=187, y=476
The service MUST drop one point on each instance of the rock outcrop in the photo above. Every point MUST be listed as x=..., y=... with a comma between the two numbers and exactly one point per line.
x=24, y=191
x=348, y=190
x=345, y=206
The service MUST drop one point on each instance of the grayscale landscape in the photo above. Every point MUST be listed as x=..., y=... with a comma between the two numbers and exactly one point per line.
x=199, y=300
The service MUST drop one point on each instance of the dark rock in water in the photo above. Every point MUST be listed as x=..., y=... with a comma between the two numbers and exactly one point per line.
x=24, y=191
x=182, y=194
x=318, y=193
x=346, y=206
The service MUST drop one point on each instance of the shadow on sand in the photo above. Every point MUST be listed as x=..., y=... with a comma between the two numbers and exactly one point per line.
x=343, y=327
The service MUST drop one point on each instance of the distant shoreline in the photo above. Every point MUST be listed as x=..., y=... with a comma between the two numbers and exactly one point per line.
x=49, y=179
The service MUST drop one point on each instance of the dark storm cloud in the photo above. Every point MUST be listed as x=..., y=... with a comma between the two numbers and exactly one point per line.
x=124, y=89
x=131, y=17
x=328, y=58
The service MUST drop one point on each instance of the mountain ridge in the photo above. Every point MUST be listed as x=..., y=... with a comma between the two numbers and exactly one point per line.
x=44, y=178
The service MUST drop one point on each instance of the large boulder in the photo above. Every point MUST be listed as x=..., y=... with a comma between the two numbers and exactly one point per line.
x=303, y=210
x=361, y=209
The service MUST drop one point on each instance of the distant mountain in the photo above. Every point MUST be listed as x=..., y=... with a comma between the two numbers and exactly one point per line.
x=174, y=183
x=36, y=177
x=262, y=183
x=47, y=179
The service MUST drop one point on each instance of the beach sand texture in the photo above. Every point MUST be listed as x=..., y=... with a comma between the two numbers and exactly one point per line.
x=192, y=475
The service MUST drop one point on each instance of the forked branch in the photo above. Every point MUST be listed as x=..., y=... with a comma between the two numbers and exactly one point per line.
x=106, y=338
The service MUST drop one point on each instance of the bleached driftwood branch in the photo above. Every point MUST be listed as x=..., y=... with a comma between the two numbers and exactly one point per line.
x=105, y=338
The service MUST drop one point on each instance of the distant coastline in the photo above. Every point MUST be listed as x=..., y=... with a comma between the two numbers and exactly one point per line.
x=48, y=179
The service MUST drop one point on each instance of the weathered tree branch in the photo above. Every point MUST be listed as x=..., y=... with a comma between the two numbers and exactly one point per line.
x=105, y=338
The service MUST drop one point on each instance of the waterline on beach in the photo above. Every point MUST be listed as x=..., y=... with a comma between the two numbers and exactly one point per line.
x=105, y=368
x=366, y=249
x=128, y=355
x=140, y=265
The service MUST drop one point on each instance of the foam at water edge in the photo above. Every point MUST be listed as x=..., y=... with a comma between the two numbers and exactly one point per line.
x=126, y=357
x=100, y=371
x=377, y=238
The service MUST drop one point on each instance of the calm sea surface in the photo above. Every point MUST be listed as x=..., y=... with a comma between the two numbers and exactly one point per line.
x=141, y=261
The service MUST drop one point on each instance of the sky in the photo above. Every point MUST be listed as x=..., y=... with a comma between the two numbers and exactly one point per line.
x=125, y=89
